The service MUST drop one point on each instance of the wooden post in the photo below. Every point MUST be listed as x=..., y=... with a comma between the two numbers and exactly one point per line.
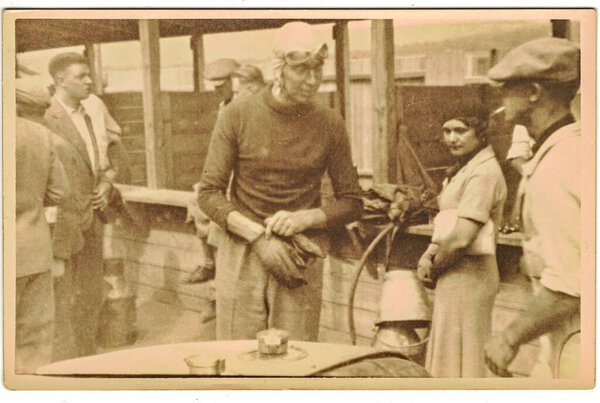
x=342, y=70
x=158, y=170
x=197, y=45
x=561, y=29
x=384, y=101
x=93, y=55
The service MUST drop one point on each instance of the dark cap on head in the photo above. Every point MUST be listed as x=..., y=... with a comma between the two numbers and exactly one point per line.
x=63, y=60
x=250, y=73
x=469, y=107
x=544, y=59
x=220, y=69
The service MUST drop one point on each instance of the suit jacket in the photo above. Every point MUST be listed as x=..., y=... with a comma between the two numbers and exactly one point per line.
x=40, y=182
x=67, y=236
x=82, y=178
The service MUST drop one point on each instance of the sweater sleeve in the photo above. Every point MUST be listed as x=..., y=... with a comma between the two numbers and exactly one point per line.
x=218, y=166
x=347, y=205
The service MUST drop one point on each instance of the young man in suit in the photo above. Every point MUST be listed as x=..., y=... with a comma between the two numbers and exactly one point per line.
x=81, y=285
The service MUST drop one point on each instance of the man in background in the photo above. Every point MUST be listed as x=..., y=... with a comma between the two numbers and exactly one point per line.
x=247, y=80
x=220, y=75
x=40, y=181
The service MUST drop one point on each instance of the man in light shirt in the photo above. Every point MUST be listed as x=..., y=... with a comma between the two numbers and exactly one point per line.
x=539, y=80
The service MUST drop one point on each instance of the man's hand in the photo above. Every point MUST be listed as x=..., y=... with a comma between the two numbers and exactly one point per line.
x=101, y=196
x=499, y=354
x=274, y=254
x=287, y=223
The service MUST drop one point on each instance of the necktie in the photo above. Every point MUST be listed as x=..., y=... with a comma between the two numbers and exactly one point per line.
x=88, y=122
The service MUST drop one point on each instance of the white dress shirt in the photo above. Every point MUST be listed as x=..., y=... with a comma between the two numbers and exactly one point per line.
x=77, y=116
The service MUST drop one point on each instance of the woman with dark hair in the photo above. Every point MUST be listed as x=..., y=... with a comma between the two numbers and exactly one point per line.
x=460, y=262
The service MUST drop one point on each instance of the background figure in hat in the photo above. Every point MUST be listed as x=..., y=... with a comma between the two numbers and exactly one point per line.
x=278, y=145
x=247, y=80
x=539, y=79
x=40, y=181
x=220, y=73
x=465, y=277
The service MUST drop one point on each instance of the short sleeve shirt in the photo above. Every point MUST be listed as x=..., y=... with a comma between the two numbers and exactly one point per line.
x=478, y=190
x=551, y=212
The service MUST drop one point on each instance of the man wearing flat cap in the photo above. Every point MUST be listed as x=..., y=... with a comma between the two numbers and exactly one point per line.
x=247, y=80
x=539, y=80
x=278, y=144
x=220, y=73
x=40, y=181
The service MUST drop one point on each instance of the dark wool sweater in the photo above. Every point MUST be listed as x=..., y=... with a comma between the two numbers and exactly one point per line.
x=278, y=155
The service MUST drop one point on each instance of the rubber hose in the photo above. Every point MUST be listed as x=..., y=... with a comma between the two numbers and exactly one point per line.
x=360, y=266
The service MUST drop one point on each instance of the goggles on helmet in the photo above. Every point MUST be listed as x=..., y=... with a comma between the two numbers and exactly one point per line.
x=297, y=57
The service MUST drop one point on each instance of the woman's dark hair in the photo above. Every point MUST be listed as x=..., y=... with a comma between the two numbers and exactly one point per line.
x=479, y=123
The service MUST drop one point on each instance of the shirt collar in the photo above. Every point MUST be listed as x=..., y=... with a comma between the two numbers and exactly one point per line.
x=485, y=154
x=564, y=121
x=563, y=133
x=69, y=109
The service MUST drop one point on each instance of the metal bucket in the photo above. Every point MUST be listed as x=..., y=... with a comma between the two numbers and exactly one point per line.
x=404, y=315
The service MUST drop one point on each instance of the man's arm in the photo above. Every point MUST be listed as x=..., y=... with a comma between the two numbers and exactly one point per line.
x=557, y=223
x=222, y=152
x=545, y=312
x=347, y=204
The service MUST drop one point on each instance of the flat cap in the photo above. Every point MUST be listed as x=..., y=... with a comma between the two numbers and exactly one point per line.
x=249, y=73
x=220, y=69
x=544, y=59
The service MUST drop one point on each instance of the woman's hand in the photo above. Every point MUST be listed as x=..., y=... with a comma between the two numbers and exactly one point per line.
x=425, y=271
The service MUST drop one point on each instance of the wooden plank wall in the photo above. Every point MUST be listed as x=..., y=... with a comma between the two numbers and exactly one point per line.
x=192, y=118
x=128, y=111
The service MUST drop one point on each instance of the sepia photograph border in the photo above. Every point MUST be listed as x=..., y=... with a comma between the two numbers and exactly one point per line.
x=588, y=35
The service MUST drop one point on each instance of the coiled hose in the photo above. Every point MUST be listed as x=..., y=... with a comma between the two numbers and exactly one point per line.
x=361, y=264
